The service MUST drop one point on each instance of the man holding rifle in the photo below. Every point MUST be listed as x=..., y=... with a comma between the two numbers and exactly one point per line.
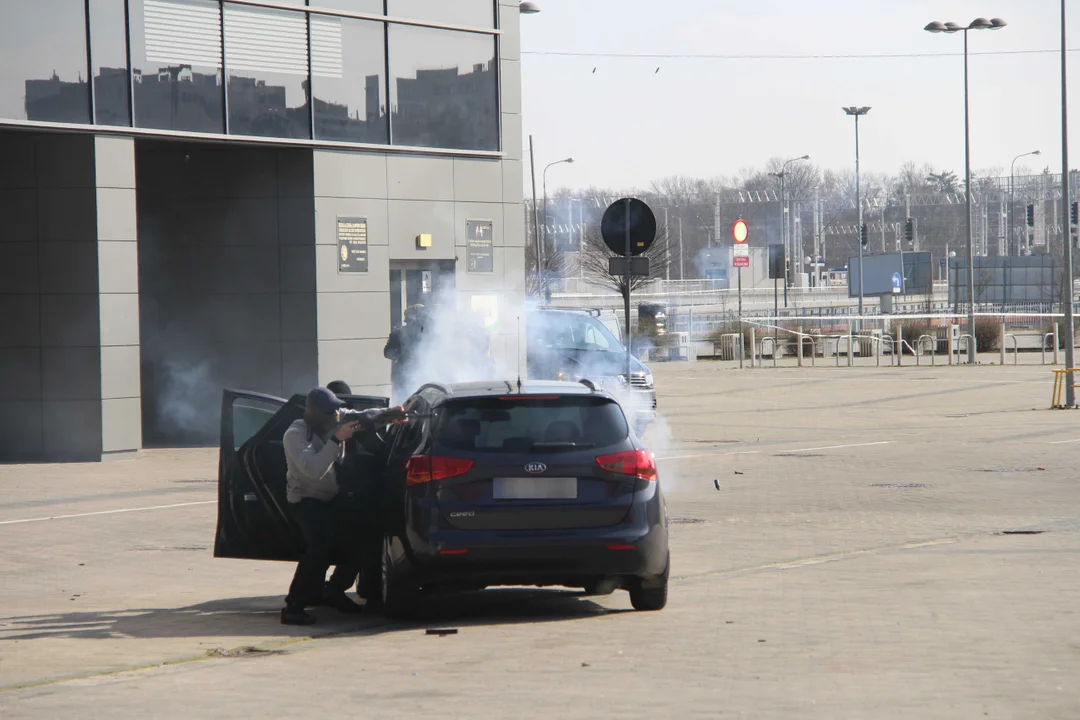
x=314, y=448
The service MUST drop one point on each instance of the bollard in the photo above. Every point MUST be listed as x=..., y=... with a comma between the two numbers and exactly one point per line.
x=850, y=349
x=799, y=340
x=753, y=347
x=951, y=343
x=899, y=345
x=1002, y=343
x=1057, y=342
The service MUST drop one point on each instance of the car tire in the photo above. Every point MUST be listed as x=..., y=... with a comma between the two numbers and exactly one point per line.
x=399, y=601
x=652, y=596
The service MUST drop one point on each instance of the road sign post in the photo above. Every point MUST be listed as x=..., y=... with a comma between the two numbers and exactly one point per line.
x=740, y=252
x=629, y=229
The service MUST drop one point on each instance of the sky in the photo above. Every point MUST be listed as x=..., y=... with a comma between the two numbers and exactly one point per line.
x=626, y=124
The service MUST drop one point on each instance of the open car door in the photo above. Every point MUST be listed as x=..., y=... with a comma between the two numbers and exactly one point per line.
x=254, y=521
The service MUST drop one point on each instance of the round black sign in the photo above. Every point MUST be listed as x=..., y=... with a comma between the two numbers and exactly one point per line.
x=642, y=227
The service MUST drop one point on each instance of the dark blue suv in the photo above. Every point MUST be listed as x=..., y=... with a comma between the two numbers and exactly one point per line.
x=487, y=484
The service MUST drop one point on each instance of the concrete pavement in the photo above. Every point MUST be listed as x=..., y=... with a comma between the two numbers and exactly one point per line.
x=851, y=565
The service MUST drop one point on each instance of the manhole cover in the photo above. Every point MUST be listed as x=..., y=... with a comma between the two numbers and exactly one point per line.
x=799, y=455
x=899, y=485
x=686, y=521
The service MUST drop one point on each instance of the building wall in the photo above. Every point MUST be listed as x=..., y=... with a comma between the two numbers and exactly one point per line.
x=226, y=278
x=67, y=375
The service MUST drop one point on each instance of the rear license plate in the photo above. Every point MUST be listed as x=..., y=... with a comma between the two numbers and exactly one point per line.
x=529, y=488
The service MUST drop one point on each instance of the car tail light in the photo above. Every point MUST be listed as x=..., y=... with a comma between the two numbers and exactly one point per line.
x=621, y=546
x=422, y=469
x=454, y=551
x=639, y=463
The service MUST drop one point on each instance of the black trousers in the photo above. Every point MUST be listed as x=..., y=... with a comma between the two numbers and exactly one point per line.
x=329, y=536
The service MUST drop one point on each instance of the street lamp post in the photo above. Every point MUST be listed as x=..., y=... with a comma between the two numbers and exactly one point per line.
x=784, y=221
x=857, y=112
x=1012, y=198
x=569, y=160
x=1066, y=206
x=951, y=27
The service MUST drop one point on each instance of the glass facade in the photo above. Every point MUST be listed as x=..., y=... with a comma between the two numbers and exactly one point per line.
x=225, y=67
x=266, y=61
x=176, y=65
x=108, y=48
x=349, y=80
x=44, y=81
x=471, y=13
x=443, y=88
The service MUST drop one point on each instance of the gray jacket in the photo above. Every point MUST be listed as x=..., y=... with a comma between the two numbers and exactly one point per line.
x=312, y=463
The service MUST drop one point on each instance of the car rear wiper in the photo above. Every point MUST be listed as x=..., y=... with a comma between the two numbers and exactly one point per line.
x=562, y=446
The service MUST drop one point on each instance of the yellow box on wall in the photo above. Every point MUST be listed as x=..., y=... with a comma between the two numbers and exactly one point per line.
x=423, y=241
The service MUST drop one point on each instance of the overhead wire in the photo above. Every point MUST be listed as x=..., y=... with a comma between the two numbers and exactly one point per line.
x=848, y=56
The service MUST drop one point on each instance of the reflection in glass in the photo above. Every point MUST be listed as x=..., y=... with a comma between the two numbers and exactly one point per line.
x=471, y=13
x=370, y=7
x=108, y=52
x=176, y=64
x=443, y=89
x=348, y=80
x=43, y=62
x=266, y=58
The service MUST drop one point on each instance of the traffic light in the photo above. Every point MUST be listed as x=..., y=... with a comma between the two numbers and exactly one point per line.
x=909, y=231
x=1074, y=214
x=864, y=236
x=1031, y=215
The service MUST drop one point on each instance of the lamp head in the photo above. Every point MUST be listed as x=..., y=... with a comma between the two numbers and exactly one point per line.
x=528, y=8
x=935, y=27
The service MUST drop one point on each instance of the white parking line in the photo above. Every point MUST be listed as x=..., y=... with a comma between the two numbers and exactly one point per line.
x=106, y=512
x=837, y=447
x=1063, y=442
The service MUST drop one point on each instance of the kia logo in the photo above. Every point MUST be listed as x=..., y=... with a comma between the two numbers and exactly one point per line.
x=535, y=468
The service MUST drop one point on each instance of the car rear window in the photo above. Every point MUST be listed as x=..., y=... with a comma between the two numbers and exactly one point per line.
x=530, y=425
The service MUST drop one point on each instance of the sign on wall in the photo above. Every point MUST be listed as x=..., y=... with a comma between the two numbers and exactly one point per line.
x=478, y=243
x=352, y=245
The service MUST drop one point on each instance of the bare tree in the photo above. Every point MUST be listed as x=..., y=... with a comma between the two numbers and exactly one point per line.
x=552, y=266
x=595, y=255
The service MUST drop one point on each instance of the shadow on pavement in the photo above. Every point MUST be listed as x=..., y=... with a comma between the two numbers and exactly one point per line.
x=258, y=616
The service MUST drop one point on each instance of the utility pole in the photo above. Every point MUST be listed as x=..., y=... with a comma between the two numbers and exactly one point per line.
x=1066, y=206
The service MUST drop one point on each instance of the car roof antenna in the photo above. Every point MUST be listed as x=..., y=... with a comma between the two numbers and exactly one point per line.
x=519, y=354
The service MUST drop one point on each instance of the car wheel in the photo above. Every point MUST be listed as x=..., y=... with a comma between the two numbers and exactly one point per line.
x=398, y=600
x=651, y=594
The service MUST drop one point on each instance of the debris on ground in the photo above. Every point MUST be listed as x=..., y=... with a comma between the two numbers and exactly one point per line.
x=716, y=483
x=739, y=473
x=442, y=632
x=247, y=651
x=584, y=664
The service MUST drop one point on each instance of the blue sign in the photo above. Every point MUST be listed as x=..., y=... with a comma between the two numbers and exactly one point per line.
x=897, y=283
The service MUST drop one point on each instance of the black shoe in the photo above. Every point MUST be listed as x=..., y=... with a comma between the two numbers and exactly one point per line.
x=341, y=602
x=292, y=615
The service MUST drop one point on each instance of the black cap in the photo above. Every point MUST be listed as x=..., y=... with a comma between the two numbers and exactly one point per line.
x=322, y=400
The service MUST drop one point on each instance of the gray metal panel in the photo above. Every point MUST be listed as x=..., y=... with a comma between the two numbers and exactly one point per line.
x=349, y=174
x=512, y=141
x=20, y=428
x=21, y=378
x=299, y=317
x=81, y=420
x=121, y=424
x=71, y=372
x=120, y=372
x=357, y=362
x=328, y=210
x=917, y=271
x=376, y=279
x=513, y=187
x=118, y=267
x=116, y=215
x=510, y=86
x=18, y=207
x=477, y=180
x=420, y=178
x=19, y=267
x=67, y=214
x=510, y=25
x=64, y=160
x=353, y=316
x=114, y=161
x=69, y=321
x=514, y=225
x=119, y=319
x=411, y=218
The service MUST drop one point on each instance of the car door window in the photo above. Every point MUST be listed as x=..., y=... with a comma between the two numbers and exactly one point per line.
x=595, y=340
x=248, y=416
